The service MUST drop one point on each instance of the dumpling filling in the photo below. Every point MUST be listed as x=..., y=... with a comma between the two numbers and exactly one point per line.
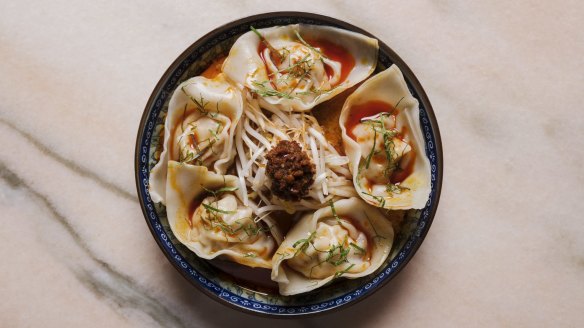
x=219, y=222
x=198, y=129
x=380, y=127
x=386, y=155
x=201, y=141
x=347, y=239
x=334, y=248
x=296, y=67
x=206, y=215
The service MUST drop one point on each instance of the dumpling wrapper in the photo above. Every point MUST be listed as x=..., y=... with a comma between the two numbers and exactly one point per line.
x=186, y=184
x=388, y=87
x=188, y=128
x=364, y=221
x=310, y=85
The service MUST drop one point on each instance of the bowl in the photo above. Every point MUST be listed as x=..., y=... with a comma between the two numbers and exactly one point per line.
x=228, y=289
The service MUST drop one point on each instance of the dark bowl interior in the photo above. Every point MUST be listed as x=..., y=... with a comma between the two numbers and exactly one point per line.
x=227, y=289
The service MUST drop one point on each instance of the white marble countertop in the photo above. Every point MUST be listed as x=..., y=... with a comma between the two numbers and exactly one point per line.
x=506, y=81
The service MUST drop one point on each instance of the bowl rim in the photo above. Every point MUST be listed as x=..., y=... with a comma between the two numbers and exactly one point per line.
x=409, y=77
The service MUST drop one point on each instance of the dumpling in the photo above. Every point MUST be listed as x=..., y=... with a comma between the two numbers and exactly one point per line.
x=199, y=128
x=383, y=139
x=299, y=66
x=348, y=239
x=205, y=215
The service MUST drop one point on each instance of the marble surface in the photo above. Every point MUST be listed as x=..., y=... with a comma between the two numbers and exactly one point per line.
x=505, y=79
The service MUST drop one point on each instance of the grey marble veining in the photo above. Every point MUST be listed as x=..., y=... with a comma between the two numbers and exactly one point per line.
x=70, y=164
x=505, y=79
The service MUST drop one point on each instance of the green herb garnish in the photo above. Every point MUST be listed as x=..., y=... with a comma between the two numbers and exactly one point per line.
x=200, y=104
x=264, y=91
x=340, y=273
x=268, y=45
x=254, y=229
x=309, y=46
x=291, y=69
x=334, y=211
x=377, y=235
x=402, y=98
x=379, y=199
x=337, y=254
x=303, y=243
x=358, y=248
x=372, y=152
x=218, y=210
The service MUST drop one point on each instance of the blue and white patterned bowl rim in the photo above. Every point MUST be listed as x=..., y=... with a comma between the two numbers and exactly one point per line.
x=146, y=132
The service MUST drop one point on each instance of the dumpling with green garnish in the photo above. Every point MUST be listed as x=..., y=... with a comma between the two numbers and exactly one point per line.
x=348, y=239
x=380, y=126
x=299, y=66
x=199, y=129
x=206, y=215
